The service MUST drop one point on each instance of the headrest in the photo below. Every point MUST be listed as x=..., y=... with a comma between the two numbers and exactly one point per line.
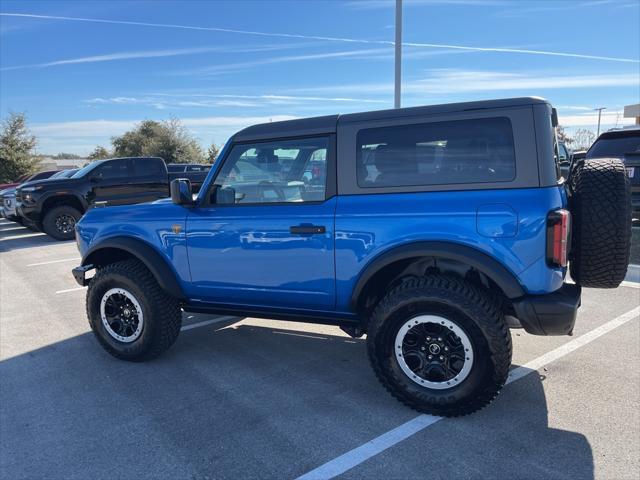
x=266, y=157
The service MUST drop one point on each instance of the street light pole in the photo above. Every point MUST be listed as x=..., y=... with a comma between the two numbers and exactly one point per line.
x=398, y=45
x=599, y=115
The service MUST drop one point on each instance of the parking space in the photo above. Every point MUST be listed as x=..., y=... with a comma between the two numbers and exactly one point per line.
x=250, y=398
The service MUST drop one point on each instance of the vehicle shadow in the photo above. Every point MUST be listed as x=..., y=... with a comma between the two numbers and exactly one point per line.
x=12, y=238
x=249, y=401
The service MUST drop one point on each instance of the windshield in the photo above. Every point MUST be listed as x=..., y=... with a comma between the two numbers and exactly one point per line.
x=86, y=169
x=616, y=145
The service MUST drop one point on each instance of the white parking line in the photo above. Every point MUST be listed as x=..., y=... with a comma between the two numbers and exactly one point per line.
x=355, y=457
x=70, y=290
x=54, y=261
x=18, y=237
x=206, y=322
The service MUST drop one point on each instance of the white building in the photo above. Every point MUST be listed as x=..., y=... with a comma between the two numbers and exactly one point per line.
x=632, y=111
x=48, y=163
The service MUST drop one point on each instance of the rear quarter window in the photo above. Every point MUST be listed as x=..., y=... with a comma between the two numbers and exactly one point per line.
x=452, y=152
x=146, y=167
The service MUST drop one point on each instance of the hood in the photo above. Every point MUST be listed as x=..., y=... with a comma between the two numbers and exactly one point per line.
x=48, y=181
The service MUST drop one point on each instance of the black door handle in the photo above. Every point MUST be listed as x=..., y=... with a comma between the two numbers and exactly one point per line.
x=307, y=229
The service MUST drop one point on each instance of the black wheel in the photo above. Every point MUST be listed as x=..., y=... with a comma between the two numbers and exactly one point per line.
x=130, y=315
x=60, y=222
x=439, y=345
x=600, y=203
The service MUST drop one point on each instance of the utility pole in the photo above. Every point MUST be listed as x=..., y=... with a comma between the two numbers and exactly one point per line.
x=599, y=115
x=398, y=45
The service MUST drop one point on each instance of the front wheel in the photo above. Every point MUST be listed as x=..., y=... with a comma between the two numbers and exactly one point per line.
x=60, y=222
x=130, y=315
x=440, y=345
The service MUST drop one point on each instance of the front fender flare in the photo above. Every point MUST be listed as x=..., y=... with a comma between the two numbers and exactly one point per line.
x=462, y=253
x=157, y=265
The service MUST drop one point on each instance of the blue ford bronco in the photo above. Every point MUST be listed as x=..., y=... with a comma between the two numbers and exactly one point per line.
x=433, y=230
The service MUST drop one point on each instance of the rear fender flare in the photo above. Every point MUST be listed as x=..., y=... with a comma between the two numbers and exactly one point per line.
x=461, y=253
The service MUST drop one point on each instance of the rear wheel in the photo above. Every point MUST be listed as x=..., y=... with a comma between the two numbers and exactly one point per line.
x=60, y=222
x=130, y=315
x=440, y=345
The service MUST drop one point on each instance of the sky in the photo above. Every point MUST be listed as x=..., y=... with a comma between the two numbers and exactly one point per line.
x=84, y=71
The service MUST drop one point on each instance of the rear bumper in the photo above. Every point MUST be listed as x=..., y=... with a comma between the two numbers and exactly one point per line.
x=549, y=314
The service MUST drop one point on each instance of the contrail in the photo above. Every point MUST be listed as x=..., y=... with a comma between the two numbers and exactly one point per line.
x=323, y=38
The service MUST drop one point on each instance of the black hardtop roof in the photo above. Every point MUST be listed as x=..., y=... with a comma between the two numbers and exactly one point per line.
x=328, y=123
x=134, y=158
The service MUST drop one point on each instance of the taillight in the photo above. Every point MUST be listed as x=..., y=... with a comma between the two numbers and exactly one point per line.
x=558, y=237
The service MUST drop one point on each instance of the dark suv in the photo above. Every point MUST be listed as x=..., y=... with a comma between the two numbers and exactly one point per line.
x=55, y=205
x=431, y=229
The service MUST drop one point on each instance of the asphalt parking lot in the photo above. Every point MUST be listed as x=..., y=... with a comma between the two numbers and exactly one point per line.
x=248, y=398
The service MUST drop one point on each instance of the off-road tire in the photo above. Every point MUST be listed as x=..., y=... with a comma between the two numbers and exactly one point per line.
x=162, y=314
x=473, y=310
x=600, y=204
x=49, y=222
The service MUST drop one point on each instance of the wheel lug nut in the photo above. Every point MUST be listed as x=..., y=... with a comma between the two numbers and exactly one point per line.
x=422, y=348
x=441, y=357
x=428, y=339
x=430, y=357
x=446, y=349
x=439, y=339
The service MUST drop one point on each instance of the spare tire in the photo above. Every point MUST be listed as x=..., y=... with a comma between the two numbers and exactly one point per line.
x=600, y=204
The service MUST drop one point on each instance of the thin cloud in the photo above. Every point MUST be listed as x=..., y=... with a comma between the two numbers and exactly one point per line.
x=233, y=67
x=324, y=38
x=450, y=81
x=81, y=136
x=608, y=119
x=163, y=101
x=386, y=4
x=456, y=81
x=564, y=6
x=110, y=57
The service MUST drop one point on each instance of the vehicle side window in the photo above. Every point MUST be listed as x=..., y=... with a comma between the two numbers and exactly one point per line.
x=175, y=168
x=563, y=155
x=149, y=167
x=453, y=152
x=112, y=170
x=40, y=176
x=285, y=171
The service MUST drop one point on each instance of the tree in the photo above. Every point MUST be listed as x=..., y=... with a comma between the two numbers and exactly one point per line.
x=212, y=153
x=583, y=139
x=563, y=136
x=16, y=148
x=99, y=153
x=169, y=140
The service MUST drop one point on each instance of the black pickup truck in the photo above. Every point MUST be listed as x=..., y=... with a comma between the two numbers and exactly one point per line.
x=55, y=205
x=196, y=173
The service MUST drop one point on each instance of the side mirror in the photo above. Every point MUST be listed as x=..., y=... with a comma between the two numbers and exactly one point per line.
x=180, y=189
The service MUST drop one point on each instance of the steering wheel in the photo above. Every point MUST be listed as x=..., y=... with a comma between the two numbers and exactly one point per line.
x=266, y=185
